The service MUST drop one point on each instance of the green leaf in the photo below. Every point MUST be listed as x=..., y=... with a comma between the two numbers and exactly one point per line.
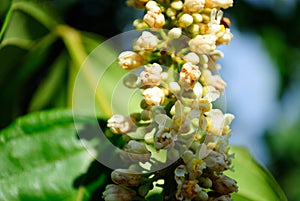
x=41, y=157
x=255, y=182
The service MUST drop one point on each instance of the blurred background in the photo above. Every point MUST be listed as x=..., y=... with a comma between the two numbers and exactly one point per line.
x=261, y=67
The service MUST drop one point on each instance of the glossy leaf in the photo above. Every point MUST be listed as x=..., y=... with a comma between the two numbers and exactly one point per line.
x=41, y=157
x=255, y=182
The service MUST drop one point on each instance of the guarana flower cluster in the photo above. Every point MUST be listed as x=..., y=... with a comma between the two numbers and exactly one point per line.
x=173, y=64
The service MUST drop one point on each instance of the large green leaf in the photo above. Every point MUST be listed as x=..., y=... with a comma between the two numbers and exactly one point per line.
x=41, y=157
x=255, y=182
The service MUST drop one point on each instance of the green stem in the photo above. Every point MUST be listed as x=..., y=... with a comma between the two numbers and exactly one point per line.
x=81, y=192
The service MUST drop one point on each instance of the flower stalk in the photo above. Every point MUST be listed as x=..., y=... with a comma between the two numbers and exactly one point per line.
x=173, y=64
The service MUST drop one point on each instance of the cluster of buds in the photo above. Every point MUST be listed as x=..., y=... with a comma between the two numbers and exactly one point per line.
x=173, y=64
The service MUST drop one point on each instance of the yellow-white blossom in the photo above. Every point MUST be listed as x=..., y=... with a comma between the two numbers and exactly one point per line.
x=193, y=6
x=218, y=123
x=185, y=20
x=192, y=58
x=213, y=80
x=189, y=75
x=154, y=17
x=130, y=60
x=146, y=42
x=177, y=5
x=154, y=96
x=119, y=124
x=203, y=43
x=175, y=33
x=151, y=76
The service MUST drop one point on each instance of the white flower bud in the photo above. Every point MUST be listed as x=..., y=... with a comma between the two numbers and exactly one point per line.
x=185, y=20
x=193, y=6
x=177, y=5
x=192, y=57
x=154, y=19
x=219, y=3
x=146, y=42
x=151, y=76
x=202, y=44
x=117, y=192
x=119, y=124
x=189, y=75
x=175, y=33
x=151, y=5
x=130, y=60
x=154, y=96
x=224, y=185
x=126, y=177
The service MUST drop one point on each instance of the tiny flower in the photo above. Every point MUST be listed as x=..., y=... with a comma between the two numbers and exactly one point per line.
x=185, y=20
x=119, y=124
x=146, y=42
x=219, y=3
x=203, y=43
x=126, y=177
x=193, y=6
x=130, y=60
x=175, y=33
x=226, y=37
x=192, y=57
x=224, y=185
x=154, y=18
x=154, y=96
x=151, y=5
x=163, y=139
x=213, y=80
x=151, y=76
x=218, y=122
x=189, y=75
x=115, y=192
x=136, y=152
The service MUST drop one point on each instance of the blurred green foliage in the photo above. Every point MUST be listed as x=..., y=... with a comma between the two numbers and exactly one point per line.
x=278, y=27
x=42, y=46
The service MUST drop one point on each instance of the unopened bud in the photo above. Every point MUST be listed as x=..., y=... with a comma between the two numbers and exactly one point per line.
x=126, y=177
x=177, y=5
x=175, y=33
x=185, y=20
x=197, y=17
